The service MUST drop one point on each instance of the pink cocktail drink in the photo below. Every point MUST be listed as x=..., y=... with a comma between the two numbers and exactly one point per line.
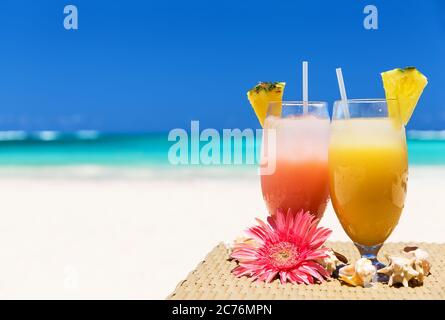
x=300, y=154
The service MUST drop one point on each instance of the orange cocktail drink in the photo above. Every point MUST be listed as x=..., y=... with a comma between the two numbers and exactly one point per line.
x=368, y=171
x=368, y=177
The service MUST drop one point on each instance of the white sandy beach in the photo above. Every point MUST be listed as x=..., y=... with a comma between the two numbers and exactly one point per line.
x=65, y=237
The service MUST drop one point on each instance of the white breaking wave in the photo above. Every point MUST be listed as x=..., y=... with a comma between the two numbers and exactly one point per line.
x=87, y=134
x=47, y=135
x=12, y=135
x=426, y=134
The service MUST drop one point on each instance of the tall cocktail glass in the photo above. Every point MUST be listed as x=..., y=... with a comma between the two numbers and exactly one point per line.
x=368, y=171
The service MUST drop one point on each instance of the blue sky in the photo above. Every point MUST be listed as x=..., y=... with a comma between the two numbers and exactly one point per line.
x=156, y=65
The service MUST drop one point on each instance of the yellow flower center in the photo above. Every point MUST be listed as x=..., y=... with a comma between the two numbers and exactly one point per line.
x=283, y=255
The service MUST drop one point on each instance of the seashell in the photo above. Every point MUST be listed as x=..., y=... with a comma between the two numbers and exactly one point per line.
x=330, y=262
x=243, y=240
x=421, y=263
x=400, y=270
x=360, y=273
x=341, y=257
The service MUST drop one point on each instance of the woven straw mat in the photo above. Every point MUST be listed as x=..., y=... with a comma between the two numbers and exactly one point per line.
x=212, y=279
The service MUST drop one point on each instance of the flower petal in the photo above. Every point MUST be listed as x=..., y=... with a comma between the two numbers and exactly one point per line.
x=283, y=276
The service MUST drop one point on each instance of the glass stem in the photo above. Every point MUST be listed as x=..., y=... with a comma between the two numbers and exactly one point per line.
x=370, y=252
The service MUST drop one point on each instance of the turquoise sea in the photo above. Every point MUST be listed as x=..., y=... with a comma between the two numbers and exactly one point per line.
x=138, y=150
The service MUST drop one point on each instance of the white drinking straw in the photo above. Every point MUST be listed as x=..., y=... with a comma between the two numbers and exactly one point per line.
x=305, y=88
x=344, y=98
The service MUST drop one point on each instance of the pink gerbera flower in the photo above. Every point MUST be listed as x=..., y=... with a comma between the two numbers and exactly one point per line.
x=288, y=246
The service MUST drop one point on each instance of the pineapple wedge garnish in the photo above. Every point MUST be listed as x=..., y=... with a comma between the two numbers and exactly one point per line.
x=262, y=94
x=405, y=86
